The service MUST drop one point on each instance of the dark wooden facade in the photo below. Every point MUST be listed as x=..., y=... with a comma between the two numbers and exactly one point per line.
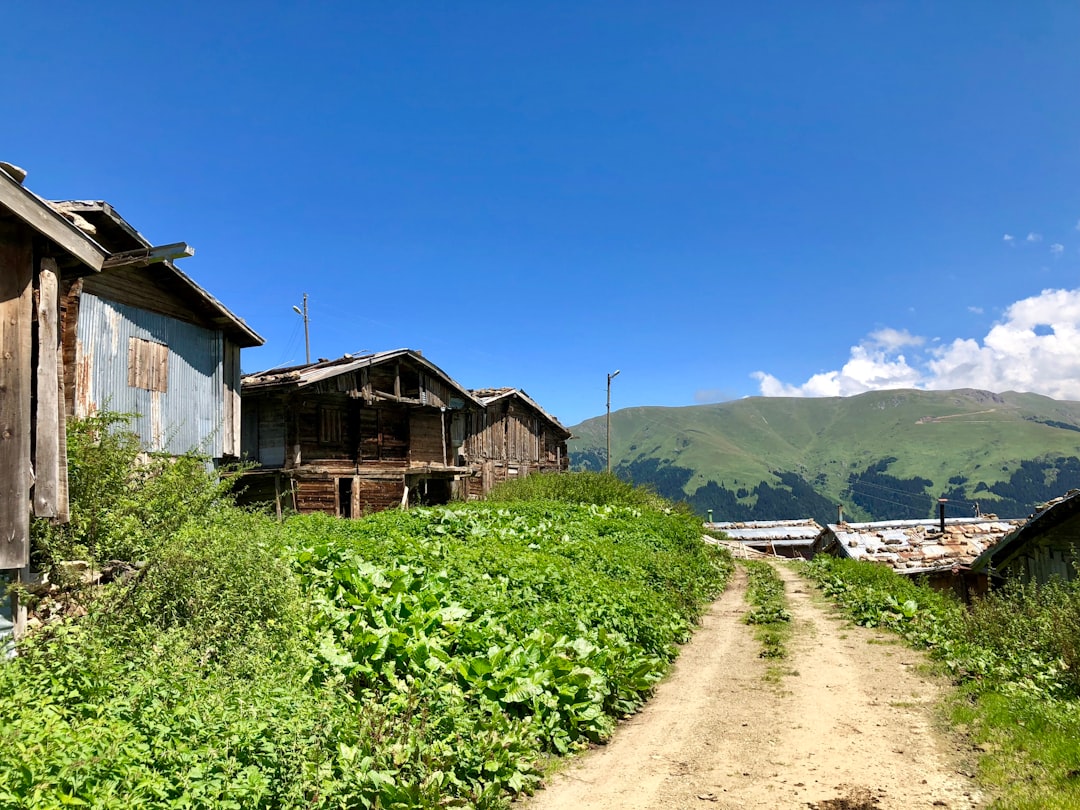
x=357, y=434
x=510, y=438
x=1044, y=548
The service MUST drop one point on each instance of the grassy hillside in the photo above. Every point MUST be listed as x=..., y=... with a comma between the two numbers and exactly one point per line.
x=882, y=454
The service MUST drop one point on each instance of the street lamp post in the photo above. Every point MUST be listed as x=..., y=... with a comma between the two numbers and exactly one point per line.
x=610, y=377
x=307, y=340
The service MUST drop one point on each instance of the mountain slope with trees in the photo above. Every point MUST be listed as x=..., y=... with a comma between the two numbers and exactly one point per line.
x=883, y=454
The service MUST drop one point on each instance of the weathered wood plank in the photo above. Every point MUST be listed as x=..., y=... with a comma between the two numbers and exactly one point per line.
x=47, y=458
x=16, y=315
x=39, y=216
x=142, y=257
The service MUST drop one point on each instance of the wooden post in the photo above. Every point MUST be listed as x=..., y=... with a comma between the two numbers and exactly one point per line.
x=47, y=460
x=16, y=472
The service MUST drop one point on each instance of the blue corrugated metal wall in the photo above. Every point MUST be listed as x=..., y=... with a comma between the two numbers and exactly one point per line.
x=190, y=414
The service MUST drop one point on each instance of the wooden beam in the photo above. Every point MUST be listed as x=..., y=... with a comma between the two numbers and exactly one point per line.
x=144, y=257
x=16, y=316
x=47, y=461
x=40, y=216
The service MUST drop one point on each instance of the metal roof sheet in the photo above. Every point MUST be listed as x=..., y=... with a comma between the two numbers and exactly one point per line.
x=793, y=531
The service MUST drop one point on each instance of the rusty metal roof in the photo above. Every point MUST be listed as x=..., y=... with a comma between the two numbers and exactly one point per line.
x=917, y=546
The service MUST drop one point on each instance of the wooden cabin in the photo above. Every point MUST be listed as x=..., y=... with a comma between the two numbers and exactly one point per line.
x=92, y=315
x=357, y=434
x=510, y=438
x=1044, y=548
x=147, y=340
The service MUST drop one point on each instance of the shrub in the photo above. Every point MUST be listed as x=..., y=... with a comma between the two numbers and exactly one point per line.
x=123, y=501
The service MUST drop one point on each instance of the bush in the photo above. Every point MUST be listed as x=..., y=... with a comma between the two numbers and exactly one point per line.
x=123, y=501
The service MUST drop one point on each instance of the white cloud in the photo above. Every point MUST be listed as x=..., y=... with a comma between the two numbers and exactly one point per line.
x=1057, y=249
x=1034, y=347
x=1034, y=237
x=1010, y=240
x=1078, y=224
x=975, y=310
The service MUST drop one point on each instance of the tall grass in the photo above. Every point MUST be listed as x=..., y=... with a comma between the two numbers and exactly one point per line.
x=602, y=489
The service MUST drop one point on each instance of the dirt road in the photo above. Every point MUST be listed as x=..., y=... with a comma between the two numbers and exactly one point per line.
x=849, y=728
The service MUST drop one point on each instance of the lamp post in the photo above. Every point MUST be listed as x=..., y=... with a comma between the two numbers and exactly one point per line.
x=610, y=377
x=307, y=340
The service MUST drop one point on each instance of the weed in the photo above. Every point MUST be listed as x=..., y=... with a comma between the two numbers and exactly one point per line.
x=768, y=612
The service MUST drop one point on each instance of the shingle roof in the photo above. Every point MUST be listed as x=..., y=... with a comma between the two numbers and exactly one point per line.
x=301, y=376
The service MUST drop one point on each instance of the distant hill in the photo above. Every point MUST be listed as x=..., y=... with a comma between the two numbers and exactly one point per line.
x=883, y=455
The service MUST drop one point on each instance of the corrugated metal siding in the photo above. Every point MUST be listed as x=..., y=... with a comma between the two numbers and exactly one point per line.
x=190, y=415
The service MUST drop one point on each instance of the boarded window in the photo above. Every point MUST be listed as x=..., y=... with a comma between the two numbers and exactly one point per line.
x=329, y=425
x=148, y=365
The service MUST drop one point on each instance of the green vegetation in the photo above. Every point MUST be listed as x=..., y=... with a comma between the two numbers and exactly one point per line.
x=1014, y=654
x=884, y=454
x=124, y=502
x=429, y=658
x=769, y=613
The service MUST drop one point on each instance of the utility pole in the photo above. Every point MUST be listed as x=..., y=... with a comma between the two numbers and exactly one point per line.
x=610, y=377
x=307, y=339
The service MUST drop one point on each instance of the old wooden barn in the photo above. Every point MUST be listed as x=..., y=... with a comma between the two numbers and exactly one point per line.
x=92, y=315
x=356, y=434
x=511, y=437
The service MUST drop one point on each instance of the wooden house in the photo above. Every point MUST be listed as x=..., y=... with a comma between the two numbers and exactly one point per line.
x=92, y=315
x=511, y=437
x=357, y=434
x=1045, y=547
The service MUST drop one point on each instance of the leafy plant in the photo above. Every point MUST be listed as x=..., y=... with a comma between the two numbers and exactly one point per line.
x=768, y=612
x=123, y=501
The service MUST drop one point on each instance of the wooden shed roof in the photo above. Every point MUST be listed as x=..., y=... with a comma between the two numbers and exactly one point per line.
x=39, y=215
x=489, y=396
x=309, y=374
x=1051, y=514
x=116, y=235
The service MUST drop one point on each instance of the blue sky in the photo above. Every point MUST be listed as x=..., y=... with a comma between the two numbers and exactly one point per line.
x=719, y=200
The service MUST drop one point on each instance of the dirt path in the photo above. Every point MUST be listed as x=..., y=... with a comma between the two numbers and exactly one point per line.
x=851, y=728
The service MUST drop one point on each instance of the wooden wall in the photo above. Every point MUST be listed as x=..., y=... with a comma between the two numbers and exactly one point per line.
x=510, y=440
x=1053, y=554
x=428, y=438
x=16, y=316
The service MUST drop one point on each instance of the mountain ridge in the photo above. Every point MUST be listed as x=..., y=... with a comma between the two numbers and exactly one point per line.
x=883, y=454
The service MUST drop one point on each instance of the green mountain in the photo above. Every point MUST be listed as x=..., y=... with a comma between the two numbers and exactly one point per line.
x=883, y=455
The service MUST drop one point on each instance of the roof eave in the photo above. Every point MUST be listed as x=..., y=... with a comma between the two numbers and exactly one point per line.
x=36, y=213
